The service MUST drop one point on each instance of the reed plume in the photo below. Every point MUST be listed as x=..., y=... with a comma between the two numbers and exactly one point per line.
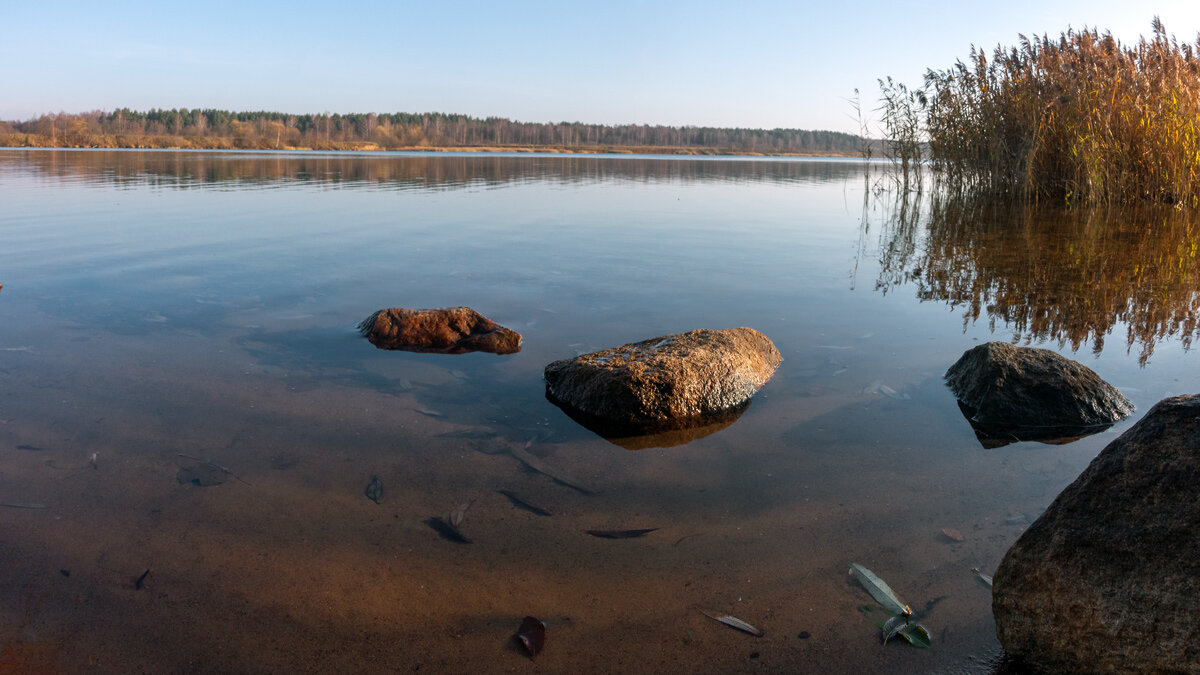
x=1078, y=118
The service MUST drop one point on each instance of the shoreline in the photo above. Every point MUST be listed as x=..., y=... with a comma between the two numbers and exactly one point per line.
x=108, y=142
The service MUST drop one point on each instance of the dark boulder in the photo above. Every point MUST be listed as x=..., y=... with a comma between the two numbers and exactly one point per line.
x=1108, y=578
x=1013, y=393
x=671, y=381
x=450, y=330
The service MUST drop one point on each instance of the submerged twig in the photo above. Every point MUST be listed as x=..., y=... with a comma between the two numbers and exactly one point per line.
x=620, y=534
x=541, y=467
x=212, y=464
x=522, y=504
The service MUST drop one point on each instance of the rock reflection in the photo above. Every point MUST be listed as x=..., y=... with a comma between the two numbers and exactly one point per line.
x=642, y=437
x=997, y=436
x=1065, y=275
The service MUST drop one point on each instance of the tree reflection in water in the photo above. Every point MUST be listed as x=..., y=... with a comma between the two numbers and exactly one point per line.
x=1059, y=274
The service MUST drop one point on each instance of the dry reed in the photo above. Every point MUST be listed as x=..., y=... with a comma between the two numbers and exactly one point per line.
x=1080, y=118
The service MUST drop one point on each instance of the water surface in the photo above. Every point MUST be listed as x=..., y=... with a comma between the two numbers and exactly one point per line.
x=163, y=306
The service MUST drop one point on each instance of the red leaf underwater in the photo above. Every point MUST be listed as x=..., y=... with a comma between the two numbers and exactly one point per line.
x=532, y=634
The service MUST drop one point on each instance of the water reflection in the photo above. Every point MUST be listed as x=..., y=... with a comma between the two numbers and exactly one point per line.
x=189, y=303
x=400, y=171
x=678, y=432
x=994, y=436
x=1064, y=275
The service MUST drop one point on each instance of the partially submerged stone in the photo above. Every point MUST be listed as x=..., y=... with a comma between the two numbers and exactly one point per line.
x=671, y=381
x=1026, y=394
x=449, y=330
x=1106, y=579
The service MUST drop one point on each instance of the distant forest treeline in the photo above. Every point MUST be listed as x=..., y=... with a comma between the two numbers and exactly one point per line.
x=222, y=129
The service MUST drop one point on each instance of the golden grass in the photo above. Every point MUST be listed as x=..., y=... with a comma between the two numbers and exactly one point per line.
x=1080, y=118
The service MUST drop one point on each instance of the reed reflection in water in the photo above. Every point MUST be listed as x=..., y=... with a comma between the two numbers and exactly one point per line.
x=1070, y=276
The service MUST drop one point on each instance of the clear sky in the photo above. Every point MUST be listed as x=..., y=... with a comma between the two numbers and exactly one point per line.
x=704, y=63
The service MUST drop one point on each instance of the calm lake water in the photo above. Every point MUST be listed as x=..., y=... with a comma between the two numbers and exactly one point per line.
x=175, y=316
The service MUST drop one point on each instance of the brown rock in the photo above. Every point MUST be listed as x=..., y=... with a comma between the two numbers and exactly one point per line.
x=667, y=381
x=1025, y=394
x=450, y=330
x=1108, y=578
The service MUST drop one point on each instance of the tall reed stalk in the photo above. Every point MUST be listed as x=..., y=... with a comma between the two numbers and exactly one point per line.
x=1080, y=118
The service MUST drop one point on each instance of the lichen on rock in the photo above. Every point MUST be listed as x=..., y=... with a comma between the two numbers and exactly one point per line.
x=1108, y=579
x=449, y=330
x=666, y=381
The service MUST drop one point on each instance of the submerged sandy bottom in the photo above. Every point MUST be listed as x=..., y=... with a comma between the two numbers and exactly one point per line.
x=287, y=566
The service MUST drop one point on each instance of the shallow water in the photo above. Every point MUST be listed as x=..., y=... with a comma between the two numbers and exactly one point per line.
x=163, y=306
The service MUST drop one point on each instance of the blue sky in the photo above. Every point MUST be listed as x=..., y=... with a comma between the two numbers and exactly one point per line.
x=748, y=64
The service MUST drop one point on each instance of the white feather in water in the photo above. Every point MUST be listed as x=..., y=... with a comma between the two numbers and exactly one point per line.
x=733, y=622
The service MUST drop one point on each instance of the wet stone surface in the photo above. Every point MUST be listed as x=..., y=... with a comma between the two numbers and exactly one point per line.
x=1013, y=394
x=671, y=381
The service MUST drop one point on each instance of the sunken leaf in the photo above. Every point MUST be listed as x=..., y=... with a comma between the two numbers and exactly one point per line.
x=916, y=634
x=879, y=590
x=893, y=626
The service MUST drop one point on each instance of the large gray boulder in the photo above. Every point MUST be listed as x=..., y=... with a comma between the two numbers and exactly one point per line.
x=1022, y=393
x=667, y=381
x=1108, y=578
